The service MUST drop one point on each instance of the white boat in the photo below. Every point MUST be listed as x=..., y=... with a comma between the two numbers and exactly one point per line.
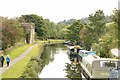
x=94, y=67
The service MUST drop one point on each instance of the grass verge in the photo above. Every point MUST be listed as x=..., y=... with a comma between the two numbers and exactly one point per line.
x=15, y=52
x=16, y=70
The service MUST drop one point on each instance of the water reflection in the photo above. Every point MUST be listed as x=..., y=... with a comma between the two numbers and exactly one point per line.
x=56, y=64
x=73, y=71
x=53, y=60
x=49, y=52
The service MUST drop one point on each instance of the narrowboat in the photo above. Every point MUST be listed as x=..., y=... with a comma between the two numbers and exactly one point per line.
x=73, y=52
x=96, y=68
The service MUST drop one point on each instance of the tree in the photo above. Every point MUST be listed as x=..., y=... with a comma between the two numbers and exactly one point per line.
x=12, y=32
x=74, y=31
x=116, y=18
x=97, y=24
x=86, y=38
x=39, y=24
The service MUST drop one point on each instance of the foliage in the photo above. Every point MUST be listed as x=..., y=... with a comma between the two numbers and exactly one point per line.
x=37, y=62
x=12, y=32
x=38, y=21
x=73, y=71
x=97, y=24
x=50, y=28
x=22, y=64
x=67, y=22
x=32, y=69
x=74, y=31
x=110, y=38
x=116, y=18
x=86, y=38
x=44, y=28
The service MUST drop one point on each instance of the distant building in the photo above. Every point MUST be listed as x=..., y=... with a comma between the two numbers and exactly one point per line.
x=30, y=32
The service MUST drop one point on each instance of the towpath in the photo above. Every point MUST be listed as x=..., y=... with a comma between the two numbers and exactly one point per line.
x=23, y=55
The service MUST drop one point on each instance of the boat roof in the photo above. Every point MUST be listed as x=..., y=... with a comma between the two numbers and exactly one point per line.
x=87, y=51
x=107, y=59
x=72, y=47
x=84, y=51
x=91, y=58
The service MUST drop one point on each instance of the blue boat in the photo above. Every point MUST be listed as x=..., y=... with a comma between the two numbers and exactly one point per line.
x=84, y=53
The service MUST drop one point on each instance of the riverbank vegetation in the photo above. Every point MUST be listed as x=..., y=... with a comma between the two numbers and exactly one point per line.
x=96, y=33
x=37, y=63
x=19, y=67
x=29, y=66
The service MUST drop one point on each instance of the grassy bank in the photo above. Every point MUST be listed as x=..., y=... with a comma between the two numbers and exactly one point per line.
x=17, y=70
x=16, y=51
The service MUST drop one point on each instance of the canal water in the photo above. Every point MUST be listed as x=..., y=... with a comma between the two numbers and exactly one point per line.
x=56, y=63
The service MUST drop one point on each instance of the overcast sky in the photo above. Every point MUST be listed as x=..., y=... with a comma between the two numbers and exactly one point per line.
x=56, y=10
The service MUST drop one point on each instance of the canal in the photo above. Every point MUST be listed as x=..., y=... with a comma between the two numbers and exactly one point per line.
x=56, y=63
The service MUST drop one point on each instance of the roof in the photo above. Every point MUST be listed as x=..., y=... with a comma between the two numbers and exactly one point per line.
x=71, y=47
x=84, y=53
x=91, y=58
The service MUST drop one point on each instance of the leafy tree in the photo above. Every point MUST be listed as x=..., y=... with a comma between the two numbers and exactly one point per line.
x=74, y=31
x=116, y=18
x=67, y=22
x=86, y=38
x=108, y=41
x=97, y=24
x=54, y=31
x=39, y=23
x=50, y=29
x=60, y=28
x=12, y=32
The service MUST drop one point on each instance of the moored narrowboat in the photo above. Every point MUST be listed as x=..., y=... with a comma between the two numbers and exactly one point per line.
x=73, y=52
x=94, y=67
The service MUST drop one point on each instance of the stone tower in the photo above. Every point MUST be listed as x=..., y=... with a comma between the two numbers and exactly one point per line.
x=30, y=30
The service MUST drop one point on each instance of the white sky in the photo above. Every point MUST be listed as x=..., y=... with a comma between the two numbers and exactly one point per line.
x=56, y=10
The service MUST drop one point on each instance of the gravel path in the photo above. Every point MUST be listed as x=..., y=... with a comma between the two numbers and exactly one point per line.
x=23, y=55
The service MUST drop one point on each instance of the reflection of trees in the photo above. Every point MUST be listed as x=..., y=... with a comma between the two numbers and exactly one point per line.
x=49, y=53
x=73, y=71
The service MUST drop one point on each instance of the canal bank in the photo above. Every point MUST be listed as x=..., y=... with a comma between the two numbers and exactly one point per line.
x=51, y=55
x=17, y=70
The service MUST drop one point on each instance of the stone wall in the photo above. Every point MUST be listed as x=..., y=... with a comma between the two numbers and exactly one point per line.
x=29, y=28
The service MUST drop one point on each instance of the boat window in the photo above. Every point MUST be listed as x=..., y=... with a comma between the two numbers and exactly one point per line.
x=72, y=50
x=107, y=64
